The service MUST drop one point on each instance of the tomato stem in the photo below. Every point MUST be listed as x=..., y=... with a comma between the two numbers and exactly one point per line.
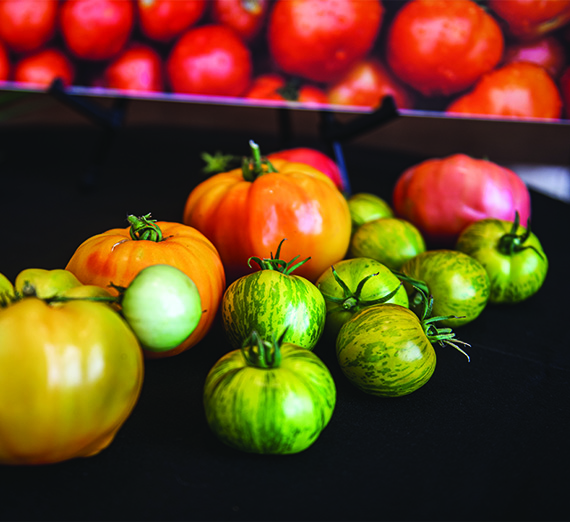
x=261, y=353
x=511, y=242
x=256, y=165
x=274, y=263
x=144, y=228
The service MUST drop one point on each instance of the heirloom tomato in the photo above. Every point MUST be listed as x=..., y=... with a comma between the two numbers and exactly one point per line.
x=27, y=25
x=392, y=241
x=529, y=19
x=269, y=397
x=548, y=52
x=249, y=210
x=353, y=284
x=441, y=196
x=70, y=375
x=320, y=40
x=440, y=47
x=274, y=299
x=366, y=207
x=6, y=290
x=118, y=255
x=164, y=20
x=43, y=67
x=516, y=90
x=210, y=60
x=138, y=68
x=245, y=17
x=38, y=282
x=511, y=254
x=458, y=283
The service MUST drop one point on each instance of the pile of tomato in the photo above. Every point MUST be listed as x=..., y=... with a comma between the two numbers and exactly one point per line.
x=506, y=58
x=290, y=264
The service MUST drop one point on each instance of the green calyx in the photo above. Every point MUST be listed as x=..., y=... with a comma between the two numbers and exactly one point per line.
x=512, y=243
x=260, y=353
x=274, y=263
x=256, y=165
x=144, y=228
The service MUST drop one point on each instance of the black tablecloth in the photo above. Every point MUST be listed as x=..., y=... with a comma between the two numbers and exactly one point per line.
x=483, y=440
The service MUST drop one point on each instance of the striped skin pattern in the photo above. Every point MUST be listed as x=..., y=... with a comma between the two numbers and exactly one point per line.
x=514, y=277
x=272, y=411
x=384, y=351
x=459, y=283
x=268, y=301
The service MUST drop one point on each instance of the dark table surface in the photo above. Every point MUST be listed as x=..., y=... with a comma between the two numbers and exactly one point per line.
x=483, y=440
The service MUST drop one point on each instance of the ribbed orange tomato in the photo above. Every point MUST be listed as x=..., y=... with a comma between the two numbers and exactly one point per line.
x=249, y=212
x=118, y=255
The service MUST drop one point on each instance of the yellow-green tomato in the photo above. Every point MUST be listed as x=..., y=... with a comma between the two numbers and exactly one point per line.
x=6, y=290
x=392, y=241
x=42, y=283
x=70, y=375
x=162, y=305
x=366, y=207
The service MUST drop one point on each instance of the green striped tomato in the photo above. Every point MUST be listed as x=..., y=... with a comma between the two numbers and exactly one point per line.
x=269, y=397
x=366, y=207
x=269, y=300
x=384, y=351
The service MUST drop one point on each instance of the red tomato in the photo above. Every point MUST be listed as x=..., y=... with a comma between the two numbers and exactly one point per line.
x=274, y=87
x=321, y=39
x=96, y=29
x=565, y=91
x=547, y=52
x=245, y=17
x=43, y=67
x=440, y=47
x=527, y=19
x=163, y=20
x=26, y=25
x=366, y=84
x=139, y=68
x=315, y=159
x=442, y=196
x=4, y=64
x=517, y=90
x=210, y=60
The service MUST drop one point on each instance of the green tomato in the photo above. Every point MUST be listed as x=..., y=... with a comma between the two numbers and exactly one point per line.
x=353, y=284
x=366, y=207
x=162, y=306
x=458, y=283
x=269, y=397
x=269, y=300
x=392, y=241
x=384, y=351
x=511, y=254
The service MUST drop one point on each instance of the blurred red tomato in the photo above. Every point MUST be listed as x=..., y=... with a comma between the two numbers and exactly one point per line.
x=210, y=60
x=316, y=159
x=138, y=68
x=43, y=67
x=565, y=91
x=366, y=84
x=547, y=52
x=273, y=86
x=4, y=64
x=321, y=39
x=26, y=25
x=517, y=90
x=527, y=19
x=96, y=29
x=245, y=17
x=440, y=47
x=163, y=20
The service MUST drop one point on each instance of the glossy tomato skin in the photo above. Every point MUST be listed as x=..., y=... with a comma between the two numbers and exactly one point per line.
x=366, y=84
x=210, y=60
x=73, y=373
x=164, y=20
x=441, y=196
x=365, y=207
x=96, y=29
x=138, y=68
x=440, y=47
x=390, y=240
x=529, y=19
x=42, y=68
x=384, y=351
x=114, y=257
x=514, y=276
x=516, y=90
x=245, y=18
x=547, y=51
x=27, y=25
x=246, y=218
x=380, y=283
x=321, y=39
x=458, y=283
